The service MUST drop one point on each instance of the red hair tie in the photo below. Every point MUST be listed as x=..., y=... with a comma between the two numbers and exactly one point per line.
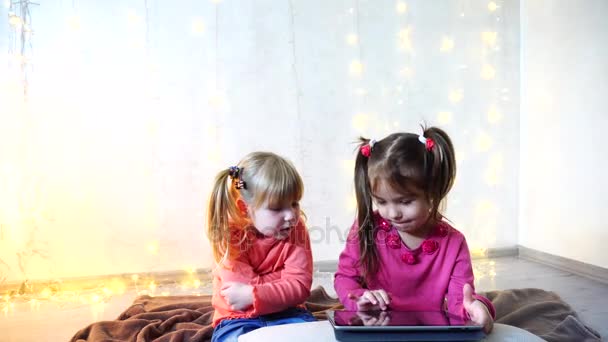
x=366, y=150
x=428, y=142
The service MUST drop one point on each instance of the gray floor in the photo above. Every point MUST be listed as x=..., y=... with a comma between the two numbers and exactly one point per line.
x=589, y=298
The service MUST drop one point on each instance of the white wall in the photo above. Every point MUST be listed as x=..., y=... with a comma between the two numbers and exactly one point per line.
x=107, y=167
x=564, y=159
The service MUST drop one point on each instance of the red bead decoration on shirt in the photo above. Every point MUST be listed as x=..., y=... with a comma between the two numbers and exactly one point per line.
x=385, y=226
x=393, y=241
x=430, y=246
x=408, y=258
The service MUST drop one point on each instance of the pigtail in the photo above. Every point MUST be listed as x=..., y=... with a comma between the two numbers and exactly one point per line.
x=367, y=248
x=222, y=207
x=440, y=166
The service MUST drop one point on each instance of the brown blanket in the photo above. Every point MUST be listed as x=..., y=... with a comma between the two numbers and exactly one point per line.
x=188, y=318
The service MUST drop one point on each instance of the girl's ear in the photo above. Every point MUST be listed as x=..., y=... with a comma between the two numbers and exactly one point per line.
x=242, y=206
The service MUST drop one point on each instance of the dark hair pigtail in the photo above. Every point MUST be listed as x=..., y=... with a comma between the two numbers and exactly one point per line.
x=442, y=167
x=367, y=248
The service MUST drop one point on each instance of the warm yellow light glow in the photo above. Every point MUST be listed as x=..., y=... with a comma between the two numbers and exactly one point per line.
x=447, y=44
x=198, y=27
x=360, y=92
x=456, y=95
x=165, y=293
x=74, y=22
x=488, y=72
x=135, y=277
x=197, y=283
x=152, y=247
x=133, y=18
x=95, y=299
x=404, y=40
x=459, y=157
x=401, y=7
x=352, y=202
x=360, y=122
x=217, y=100
x=348, y=165
x=489, y=37
x=484, y=142
x=478, y=252
x=406, y=72
x=493, y=174
x=356, y=68
x=494, y=116
x=152, y=286
x=352, y=39
x=444, y=118
x=15, y=21
x=485, y=207
x=492, y=6
x=117, y=286
x=46, y=293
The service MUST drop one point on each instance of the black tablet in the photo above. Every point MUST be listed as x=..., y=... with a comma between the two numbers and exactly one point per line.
x=357, y=326
x=399, y=321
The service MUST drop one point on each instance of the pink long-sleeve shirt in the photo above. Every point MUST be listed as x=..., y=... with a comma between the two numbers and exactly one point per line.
x=424, y=278
x=280, y=272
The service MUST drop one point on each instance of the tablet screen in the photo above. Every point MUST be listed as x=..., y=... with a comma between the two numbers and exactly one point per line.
x=417, y=320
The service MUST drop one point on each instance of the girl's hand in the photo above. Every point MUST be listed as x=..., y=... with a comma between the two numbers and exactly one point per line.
x=238, y=295
x=476, y=309
x=372, y=300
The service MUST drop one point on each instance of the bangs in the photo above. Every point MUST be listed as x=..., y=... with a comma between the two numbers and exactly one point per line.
x=278, y=184
x=403, y=180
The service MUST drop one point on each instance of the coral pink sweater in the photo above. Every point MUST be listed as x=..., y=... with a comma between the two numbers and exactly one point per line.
x=421, y=279
x=280, y=272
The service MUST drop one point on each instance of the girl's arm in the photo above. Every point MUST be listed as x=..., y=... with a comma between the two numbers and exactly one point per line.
x=463, y=274
x=293, y=286
x=347, y=278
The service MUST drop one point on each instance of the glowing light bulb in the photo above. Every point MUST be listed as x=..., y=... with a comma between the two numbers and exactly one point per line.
x=356, y=68
x=404, y=39
x=360, y=92
x=133, y=18
x=135, y=277
x=489, y=37
x=494, y=171
x=152, y=286
x=360, y=122
x=15, y=20
x=352, y=39
x=494, y=116
x=74, y=22
x=152, y=247
x=456, y=95
x=484, y=142
x=401, y=7
x=488, y=72
x=447, y=44
x=492, y=6
x=406, y=72
x=198, y=27
x=352, y=203
x=444, y=118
